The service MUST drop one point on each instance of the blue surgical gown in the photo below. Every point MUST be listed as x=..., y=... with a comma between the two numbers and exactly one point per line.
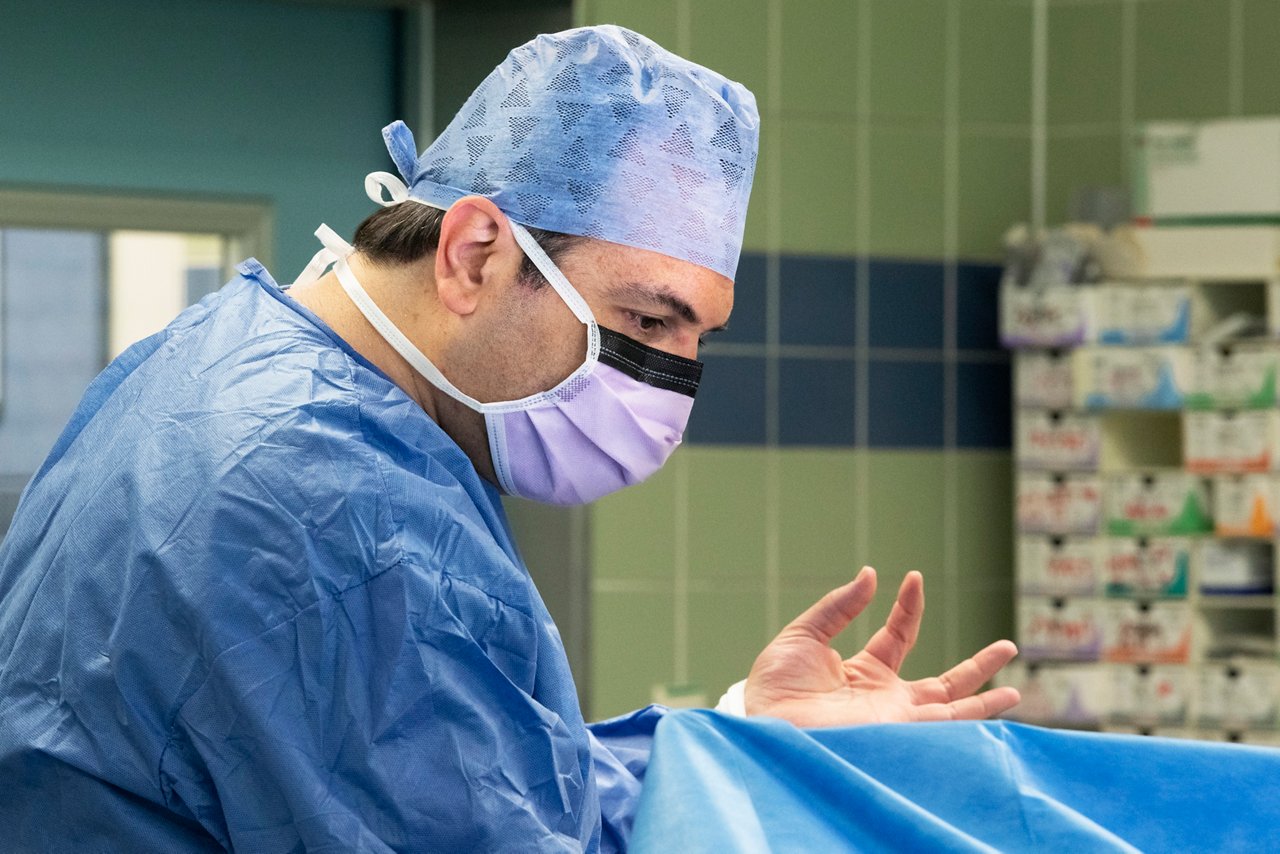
x=256, y=599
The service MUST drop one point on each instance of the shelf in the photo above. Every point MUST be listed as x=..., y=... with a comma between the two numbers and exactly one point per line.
x=1139, y=347
x=1237, y=602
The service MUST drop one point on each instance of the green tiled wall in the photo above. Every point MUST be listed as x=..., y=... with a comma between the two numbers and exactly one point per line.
x=1115, y=63
x=860, y=100
x=740, y=541
x=892, y=128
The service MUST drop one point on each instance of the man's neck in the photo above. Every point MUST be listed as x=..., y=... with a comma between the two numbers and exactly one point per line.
x=327, y=299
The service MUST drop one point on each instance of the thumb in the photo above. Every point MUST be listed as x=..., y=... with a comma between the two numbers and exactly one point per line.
x=833, y=612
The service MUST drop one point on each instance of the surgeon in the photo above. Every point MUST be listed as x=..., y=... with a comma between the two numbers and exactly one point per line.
x=261, y=596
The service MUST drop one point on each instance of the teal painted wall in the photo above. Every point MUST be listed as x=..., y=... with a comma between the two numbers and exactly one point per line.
x=276, y=101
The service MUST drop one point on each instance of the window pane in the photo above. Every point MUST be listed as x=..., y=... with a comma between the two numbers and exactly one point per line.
x=154, y=276
x=53, y=337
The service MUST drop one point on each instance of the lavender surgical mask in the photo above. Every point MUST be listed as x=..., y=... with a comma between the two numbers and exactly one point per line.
x=611, y=423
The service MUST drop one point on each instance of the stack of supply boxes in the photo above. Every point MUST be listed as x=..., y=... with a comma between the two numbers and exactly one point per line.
x=1147, y=443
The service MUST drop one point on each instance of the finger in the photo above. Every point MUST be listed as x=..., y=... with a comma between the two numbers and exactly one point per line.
x=896, y=637
x=830, y=615
x=978, y=707
x=967, y=676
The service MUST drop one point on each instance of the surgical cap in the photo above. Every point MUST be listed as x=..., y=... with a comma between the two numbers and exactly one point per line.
x=599, y=132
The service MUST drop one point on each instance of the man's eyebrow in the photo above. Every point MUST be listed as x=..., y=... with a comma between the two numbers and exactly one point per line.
x=658, y=295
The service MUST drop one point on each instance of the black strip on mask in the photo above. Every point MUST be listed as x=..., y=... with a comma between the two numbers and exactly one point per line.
x=649, y=366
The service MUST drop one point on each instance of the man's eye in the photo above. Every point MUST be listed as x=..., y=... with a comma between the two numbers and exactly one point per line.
x=646, y=323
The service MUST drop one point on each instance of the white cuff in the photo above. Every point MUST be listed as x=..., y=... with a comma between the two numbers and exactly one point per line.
x=734, y=701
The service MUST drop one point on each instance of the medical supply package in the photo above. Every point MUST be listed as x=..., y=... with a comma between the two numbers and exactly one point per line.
x=1059, y=566
x=1236, y=375
x=1057, y=441
x=1059, y=503
x=1131, y=377
x=1231, y=441
x=1245, y=505
x=1060, y=629
x=1147, y=566
x=1043, y=379
x=1166, y=502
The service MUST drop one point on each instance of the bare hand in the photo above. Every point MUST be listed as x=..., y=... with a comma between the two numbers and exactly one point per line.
x=800, y=678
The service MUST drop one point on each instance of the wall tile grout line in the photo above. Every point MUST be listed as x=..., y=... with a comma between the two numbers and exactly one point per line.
x=773, y=288
x=862, y=301
x=680, y=575
x=1068, y=130
x=1235, y=58
x=951, y=240
x=819, y=352
x=1039, y=110
x=1128, y=80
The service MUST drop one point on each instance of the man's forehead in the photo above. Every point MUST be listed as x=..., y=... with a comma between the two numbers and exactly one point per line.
x=642, y=279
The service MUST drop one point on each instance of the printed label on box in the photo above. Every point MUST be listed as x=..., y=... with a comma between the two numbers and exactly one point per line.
x=1236, y=567
x=1045, y=317
x=1164, y=503
x=1238, y=694
x=1059, y=566
x=1069, y=694
x=1151, y=694
x=1221, y=168
x=1246, y=441
x=1044, y=379
x=1240, y=376
x=1058, y=441
x=1158, y=566
x=1147, y=633
x=1244, y=505
x=1143, y=314
x=1133, y=377
x=1059, y=504
x=1069, y=630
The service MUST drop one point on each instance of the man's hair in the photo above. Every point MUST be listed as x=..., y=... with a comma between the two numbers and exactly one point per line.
x=409, y=232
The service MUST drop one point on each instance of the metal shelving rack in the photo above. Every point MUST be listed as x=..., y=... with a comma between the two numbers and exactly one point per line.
x=1161, y=656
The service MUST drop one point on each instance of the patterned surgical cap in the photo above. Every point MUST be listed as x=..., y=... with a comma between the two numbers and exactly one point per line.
x=599, y=132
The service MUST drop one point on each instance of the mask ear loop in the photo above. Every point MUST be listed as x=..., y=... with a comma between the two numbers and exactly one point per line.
x=557, y=280
x=386, y=190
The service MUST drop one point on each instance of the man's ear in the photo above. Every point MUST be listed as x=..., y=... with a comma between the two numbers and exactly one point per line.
x=476, y=248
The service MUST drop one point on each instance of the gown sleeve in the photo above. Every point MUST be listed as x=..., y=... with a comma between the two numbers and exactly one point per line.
x=620, y=753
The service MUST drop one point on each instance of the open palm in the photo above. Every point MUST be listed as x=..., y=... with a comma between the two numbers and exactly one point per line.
x=800, y=678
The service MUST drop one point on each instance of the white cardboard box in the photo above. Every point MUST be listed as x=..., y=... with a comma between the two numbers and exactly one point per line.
x=1245, y=505
x=1143, y=314
x=1141, y=632
x=1154, y=695
x=1240, y=376
x=1239, y=693
x=1147, y=566
x=1059, y=504
x=1160, y=503
x=1236, y=567
x=1061, y=630
x=1043, y=379
x=1219, y=169
x=1206, y=252
x=1064, y=694
x=1132, y=377
x=1057, y=316
x=1057, y=441
x=1059, y=566
x=1231, y=441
